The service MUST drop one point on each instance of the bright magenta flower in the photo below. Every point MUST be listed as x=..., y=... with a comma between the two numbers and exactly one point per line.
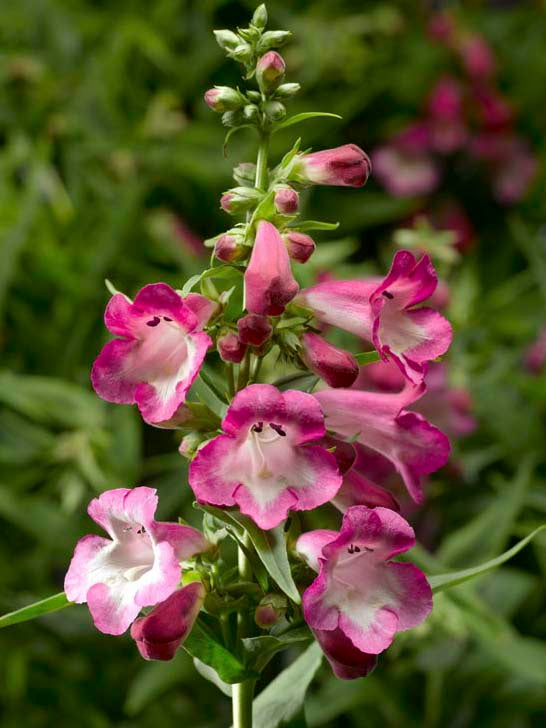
x=385, y=313
x=361, y=598
x=266, y=463
x=138, y=566
x=160, y=351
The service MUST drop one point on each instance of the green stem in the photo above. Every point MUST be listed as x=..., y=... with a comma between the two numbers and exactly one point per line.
x=261, y=162
x=243, y=693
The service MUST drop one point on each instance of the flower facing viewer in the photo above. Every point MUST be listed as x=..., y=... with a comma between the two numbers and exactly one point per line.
x=138, y=566
x=266, y=462
x=361, y=598
x=159, y=354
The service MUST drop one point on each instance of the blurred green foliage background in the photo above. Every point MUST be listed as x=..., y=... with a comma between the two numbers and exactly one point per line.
x=111, y=166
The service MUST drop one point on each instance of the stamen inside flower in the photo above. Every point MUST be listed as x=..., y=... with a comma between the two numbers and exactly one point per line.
x=388, y=295
x=153, y=322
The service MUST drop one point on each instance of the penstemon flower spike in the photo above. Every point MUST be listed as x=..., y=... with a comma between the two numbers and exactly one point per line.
x=275, y=421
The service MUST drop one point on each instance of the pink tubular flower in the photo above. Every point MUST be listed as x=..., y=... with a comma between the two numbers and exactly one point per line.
x=403, y=173
x=337, y=367
x=269, y=283
x=381, y=422
x=138, y=566
x=345, y=166
x=299, y=245
x=358, y=490
x=447, y=128
x=160, y=633
x=360, y=596
x=160, y=353
x=231, y=348
x=265, y=463
x=384, y=312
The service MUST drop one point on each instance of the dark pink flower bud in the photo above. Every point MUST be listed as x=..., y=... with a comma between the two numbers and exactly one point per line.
x=231, y=348
x=270, y=609
x=270, y=71
x=477, y=56
x=223, y=98
x=228, y=248
x=300, y=246
x=161, y=632
x=254, y=330
x=346, y=660
x=269, y=283
x=345, y=166
x=286, y=200
x=337, y=367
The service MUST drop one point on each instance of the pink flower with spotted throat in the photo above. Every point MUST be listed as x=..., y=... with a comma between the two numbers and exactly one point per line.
x=138, y=566
x=160, y=351
x=361, y=598
x=266, y=462
x=386, y=313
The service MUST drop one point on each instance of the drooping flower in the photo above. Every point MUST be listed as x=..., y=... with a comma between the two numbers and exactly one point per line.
x=138, y=566
x=381, y=423
x=160, y=633
x=345, y=166
x=336, y=366
x=266, y=462
x=361, y=598
x=385, y=312
x=160, y=351
x=269, y=283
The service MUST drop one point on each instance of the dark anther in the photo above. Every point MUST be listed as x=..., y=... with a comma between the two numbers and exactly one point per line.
x=388, y=295
x=357, y=550
x=153, y=322
x=351, y=549
x=166, y=318
x=258, y=427
x=278, y=429
x=370, y=551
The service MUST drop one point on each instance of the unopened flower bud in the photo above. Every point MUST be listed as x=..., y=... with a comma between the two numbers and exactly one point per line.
x=270, y=609
x=259, y=19
x=230, y=347
x=226, y=39
x=345, y=166
x=254, y=329
x=270, y=71
x=242, y=53
x=229, y=248
x=274, y=110
x=223, y=98
x=160, y=633
x=250, y=112
x=190, y=444
x=233, y=118
x=273, y=39
x=245, y=173
x=337, y=367
x=239, y=199
x=286, y=200
x=286, y=90
x=300, y=246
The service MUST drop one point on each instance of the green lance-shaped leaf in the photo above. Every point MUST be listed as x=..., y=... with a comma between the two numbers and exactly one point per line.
x=31, y=611
x=306, y=225
x=444, y=581
x=271, y=548
x=298, y=118
x=260, y=650
x=281, y=703
x=202, y=645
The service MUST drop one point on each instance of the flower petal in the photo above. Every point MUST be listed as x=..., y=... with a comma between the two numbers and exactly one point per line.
x=310, y=544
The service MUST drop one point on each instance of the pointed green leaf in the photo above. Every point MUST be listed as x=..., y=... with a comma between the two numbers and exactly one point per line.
x=210, y=674
x=205, y=395
x=44, y=606
x=298, y=118
x=444, y=581
x=281, y=703
x=201, y=644
x=307, y=225
x=271, y=548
